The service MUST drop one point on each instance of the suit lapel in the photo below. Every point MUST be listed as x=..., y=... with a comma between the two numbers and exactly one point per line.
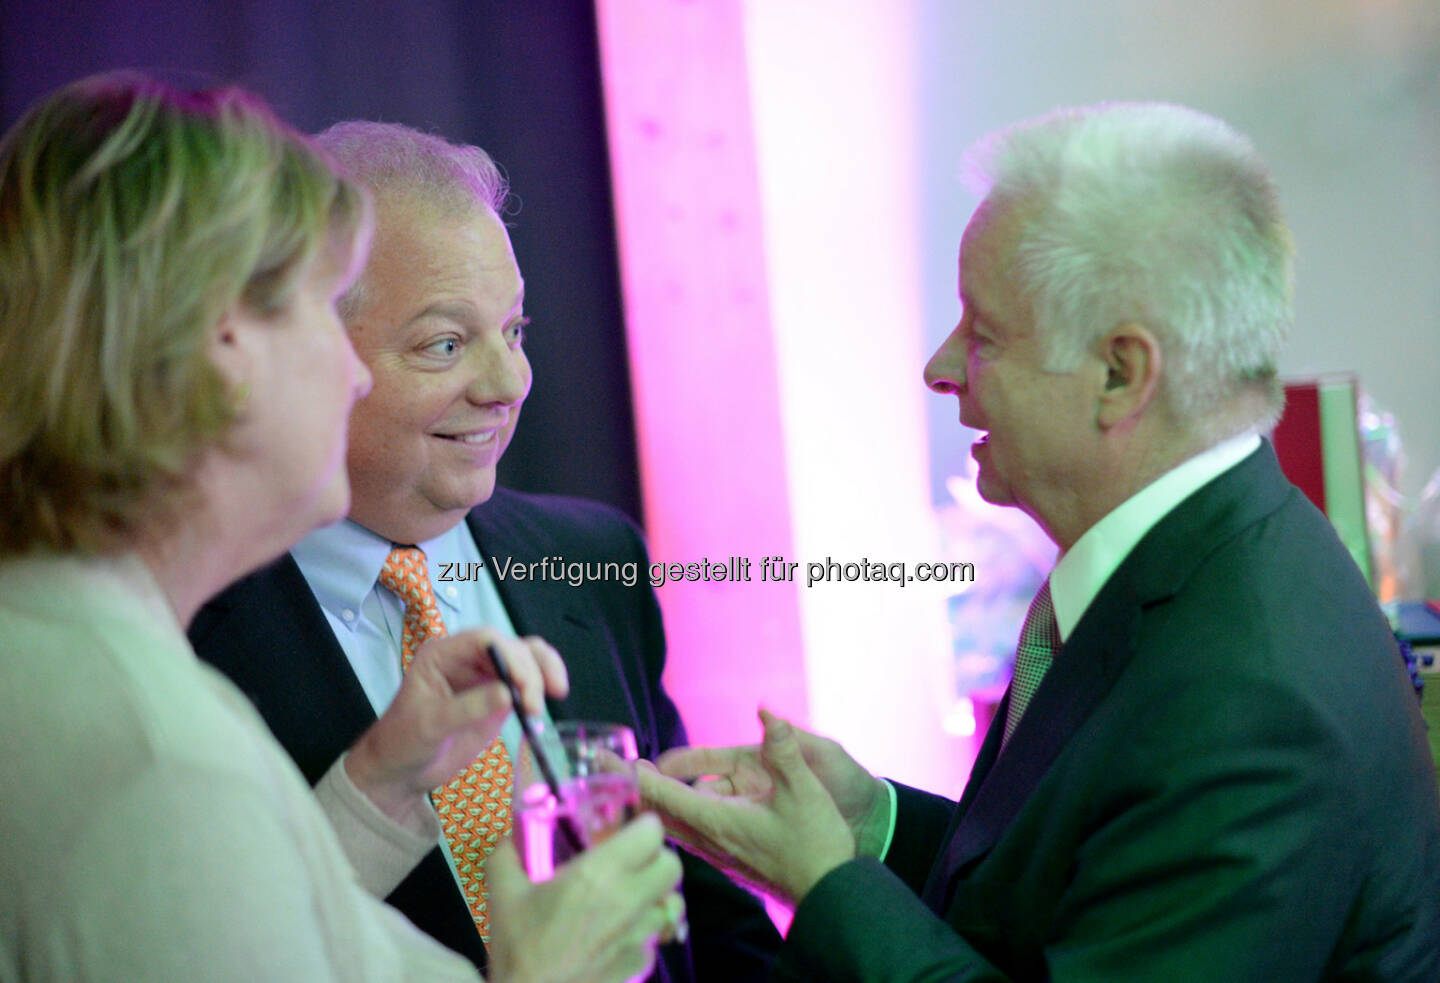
x=564, y=616
x=1083, y=672
x=1096, y=653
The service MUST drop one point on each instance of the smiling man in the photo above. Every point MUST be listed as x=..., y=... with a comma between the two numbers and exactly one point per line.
x=1210, y=764
x=320, y=640
x=442, y=326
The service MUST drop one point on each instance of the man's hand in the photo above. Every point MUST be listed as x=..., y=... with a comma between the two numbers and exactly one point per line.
x=767, y=818
x=597, y=920
x=863, y=800
x=449, y=708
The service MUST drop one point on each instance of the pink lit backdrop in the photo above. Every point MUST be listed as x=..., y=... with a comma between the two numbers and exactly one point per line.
x=774, y=328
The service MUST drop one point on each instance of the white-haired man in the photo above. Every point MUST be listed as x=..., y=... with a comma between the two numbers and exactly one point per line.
x=319, y=639
x=1210, y=764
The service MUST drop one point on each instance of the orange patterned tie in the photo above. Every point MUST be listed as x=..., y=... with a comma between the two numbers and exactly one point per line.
x=474, y=809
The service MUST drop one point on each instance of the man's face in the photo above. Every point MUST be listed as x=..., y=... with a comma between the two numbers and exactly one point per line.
x=1036, y=423
x=439, y=324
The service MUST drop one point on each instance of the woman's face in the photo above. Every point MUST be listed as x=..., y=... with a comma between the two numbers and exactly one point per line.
x=305, y=380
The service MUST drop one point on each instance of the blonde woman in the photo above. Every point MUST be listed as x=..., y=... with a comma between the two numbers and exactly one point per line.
x=174, y=389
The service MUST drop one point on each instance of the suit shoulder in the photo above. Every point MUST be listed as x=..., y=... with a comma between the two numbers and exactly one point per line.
x=560, y=516
x=280, y=577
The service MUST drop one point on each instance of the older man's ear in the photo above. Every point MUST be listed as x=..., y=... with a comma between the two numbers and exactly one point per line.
x=1132, y=375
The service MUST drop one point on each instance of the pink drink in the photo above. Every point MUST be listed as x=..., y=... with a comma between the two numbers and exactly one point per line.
x=596, y=805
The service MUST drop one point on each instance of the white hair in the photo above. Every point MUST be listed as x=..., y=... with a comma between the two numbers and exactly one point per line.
x=394, y=159
x=1156, y=214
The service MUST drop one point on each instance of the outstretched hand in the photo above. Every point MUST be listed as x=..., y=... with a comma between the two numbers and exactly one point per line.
x=766, y=814
x=863, y=800
x=450, y=707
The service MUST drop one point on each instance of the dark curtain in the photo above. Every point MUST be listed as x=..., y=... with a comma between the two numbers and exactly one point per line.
x=520, y=79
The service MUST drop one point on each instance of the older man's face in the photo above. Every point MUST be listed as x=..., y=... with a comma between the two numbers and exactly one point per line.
x=1036, y=423
x=441, y=327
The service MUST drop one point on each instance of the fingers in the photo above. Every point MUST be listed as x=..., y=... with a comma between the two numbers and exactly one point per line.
x=636, y=854
x=781, y=750
x=533, y=664
x=535, y=668
x=552, y=667
x=665, y=795
x=635, y=846
x=481, y=708
x=463, y=659
x=686, y=763
x=524, y=673
x=719, y=785
x=659, y=923
x=598, y=920
x=677, y=926
x=633, y=956
x=647, y=877
x=685, y=812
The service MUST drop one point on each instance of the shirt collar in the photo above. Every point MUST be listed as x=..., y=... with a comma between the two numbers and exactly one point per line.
x=449, y=545
x=1083, y=570
x=342, y=562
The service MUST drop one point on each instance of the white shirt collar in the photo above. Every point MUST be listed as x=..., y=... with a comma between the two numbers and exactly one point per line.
x=1098, y=553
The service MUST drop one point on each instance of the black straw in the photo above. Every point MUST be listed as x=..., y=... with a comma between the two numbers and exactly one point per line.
x=567, y=823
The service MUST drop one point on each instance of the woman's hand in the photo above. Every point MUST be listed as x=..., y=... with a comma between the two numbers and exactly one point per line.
x=598, y=920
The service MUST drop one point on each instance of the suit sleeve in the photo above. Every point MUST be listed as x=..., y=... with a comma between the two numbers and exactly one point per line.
x=1225, y=855
x=870, y=901
x=862, y=923
x=921, y=823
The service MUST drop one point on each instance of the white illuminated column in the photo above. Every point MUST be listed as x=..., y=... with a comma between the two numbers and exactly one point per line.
x=702, y=355
x=765, y=171
x=836, y=111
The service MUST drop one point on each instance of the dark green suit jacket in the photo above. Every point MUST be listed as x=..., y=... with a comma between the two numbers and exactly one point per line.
x=1224, y=776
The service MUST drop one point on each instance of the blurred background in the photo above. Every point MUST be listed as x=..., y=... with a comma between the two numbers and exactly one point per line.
x=738, y=223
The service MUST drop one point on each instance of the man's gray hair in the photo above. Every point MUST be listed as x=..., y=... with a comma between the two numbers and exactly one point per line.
x=1154, y=214
x=394, y=159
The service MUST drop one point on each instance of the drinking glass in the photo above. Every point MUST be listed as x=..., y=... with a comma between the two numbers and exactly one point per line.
x=594, y=765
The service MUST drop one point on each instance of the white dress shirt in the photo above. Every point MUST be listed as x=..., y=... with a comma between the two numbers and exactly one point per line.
x=341, y=562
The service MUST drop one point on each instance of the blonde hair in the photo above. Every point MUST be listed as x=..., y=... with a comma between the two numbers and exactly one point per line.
x=133, y=216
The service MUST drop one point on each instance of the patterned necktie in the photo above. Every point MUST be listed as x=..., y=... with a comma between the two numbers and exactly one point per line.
x=1039, y=639
x=474, y=809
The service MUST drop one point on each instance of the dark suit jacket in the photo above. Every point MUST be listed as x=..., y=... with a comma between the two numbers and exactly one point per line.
x=1223, y=777
x=268, y=633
